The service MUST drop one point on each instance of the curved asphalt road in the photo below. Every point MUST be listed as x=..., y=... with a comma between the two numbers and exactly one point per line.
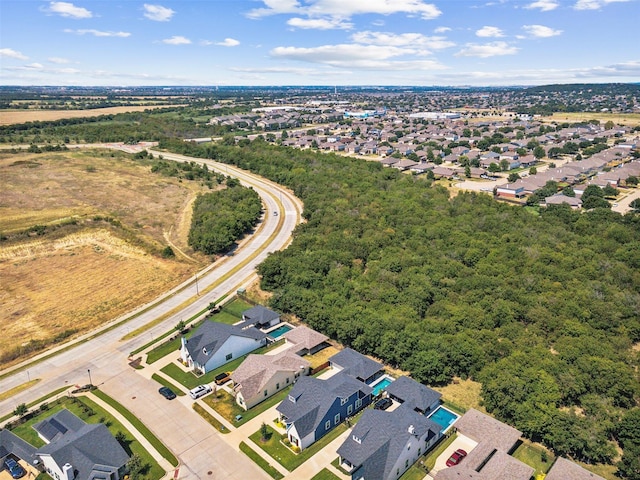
x=203, y=454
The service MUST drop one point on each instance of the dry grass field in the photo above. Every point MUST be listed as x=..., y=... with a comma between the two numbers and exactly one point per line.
x=631, y=119
x=10, y=117
x=81, y=274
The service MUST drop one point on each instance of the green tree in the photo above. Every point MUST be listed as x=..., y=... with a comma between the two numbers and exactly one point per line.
x=539, y=152
x=513, y=177
x=467, y=171
x=21, y=410
x=264, y=432
x=533, y=170
x=494, y=167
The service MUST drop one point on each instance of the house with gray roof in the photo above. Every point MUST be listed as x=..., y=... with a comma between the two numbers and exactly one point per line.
x=564, y=469
x=213, y=344
x=78, y=450
x=384, y=444
x=259, y=317
x=414, y=395
x=314, y=407
x=11, y=444
x=490, y=459
x=260, y=376
x=357, y=365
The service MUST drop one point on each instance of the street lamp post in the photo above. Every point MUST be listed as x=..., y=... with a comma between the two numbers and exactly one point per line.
x=89, y=372
x=197, y=290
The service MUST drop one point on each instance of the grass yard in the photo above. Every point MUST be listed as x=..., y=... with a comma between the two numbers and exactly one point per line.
x=236, y=307
x=325, y=474
x=284, y=455
x=37, y=401
x=261, y=462
x=430, y=458
x=90, y=412
x=225, y=405
x=164, y=349
x=213, y=421
x=536, y=456
x=415, y=472
x=462, y=393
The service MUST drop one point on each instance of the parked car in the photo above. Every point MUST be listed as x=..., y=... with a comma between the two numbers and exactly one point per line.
x=167, y=393
x=222, y=378
x=15, y=469
x=456, y=457
x=383, y=404
x=200, y=391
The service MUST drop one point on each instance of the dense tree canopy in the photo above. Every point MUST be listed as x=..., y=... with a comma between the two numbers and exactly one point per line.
x=544, y=310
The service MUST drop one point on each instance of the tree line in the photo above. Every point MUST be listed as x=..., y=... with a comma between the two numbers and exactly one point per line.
x=544, y=311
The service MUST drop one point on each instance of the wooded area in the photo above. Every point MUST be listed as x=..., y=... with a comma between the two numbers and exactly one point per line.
x=543, y=310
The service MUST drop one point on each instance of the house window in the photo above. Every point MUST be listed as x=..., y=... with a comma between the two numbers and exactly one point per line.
x=229, y=356
x=287, y=380
x=343, y=401
x=327, y=425
x=336, y=419
x=358, y=403
x=277, y=386
x=349, y=409
x=265, y=393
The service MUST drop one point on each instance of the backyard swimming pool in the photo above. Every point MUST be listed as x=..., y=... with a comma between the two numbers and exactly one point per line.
x=443, y=417
x=278, y=332
x=381, y=384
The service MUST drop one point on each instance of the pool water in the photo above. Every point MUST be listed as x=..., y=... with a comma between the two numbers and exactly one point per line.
x=278, y=332
x=443, y=417
x=381, y=385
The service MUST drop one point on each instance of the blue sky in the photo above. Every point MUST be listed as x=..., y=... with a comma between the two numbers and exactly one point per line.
x=318, y=42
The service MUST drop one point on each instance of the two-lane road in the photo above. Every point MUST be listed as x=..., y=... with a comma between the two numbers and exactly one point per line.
x=105, y=356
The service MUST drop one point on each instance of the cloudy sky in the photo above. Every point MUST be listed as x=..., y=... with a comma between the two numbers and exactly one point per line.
x=318, y=42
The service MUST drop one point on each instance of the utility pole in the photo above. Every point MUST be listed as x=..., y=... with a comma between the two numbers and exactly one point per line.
x=89, y=372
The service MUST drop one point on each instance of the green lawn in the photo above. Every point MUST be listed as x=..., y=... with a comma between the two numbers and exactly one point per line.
x=37, y=402
x=225, y=405
x=165, y=383
x=284, y=455
x=535, y=456
x=325, y=474
x=414, y=473
x=430, y=458
x=141, y=427
x=162, y=350
x=90, y=412
x=236, y=307
x=213, y=421
x=261, y=462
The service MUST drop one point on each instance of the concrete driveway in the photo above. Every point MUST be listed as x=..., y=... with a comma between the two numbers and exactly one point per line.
x=462, y=442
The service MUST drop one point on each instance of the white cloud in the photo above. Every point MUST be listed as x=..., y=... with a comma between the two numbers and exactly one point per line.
x=58, y=60
x=97, y=33
x=66, y=9
x=543, y=5
x=357, y=56
x=177, y=40
x=487, y=31
x=401, y=40
x=487, y=50
x=540, y=31
x=594, y=4
x=11, y=53
x=346, y=8
x=442, y=30
x=157, y=13
x=228, y=42
x=319, y=23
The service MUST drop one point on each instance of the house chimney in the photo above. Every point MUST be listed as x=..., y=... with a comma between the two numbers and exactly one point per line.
x=67, y=472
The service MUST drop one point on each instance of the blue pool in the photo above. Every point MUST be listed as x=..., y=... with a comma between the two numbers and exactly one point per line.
x=443, y=417
x=278, y=332
x=381, y=385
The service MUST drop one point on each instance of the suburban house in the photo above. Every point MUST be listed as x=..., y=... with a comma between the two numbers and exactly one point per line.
x=414, y=395
x=384, y=444
x=564, y=469
x=213, y=344
x=314, y=407
x=356, y=365
x=259, y=317
x=490, y=459
x=76, y=450
x=260, y=376
x=11, y=444
x=560, y=198
x=306, y=341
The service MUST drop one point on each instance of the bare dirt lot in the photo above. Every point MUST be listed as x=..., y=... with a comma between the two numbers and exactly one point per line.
x=84, y=271
x=10, y=117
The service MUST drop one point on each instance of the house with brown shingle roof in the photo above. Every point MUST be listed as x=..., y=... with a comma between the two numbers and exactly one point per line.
x=490, y=459
x=305, y=340
x=565, y=469
x=260, y=376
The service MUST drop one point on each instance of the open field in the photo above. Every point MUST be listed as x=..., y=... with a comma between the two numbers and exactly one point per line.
x=632, y=119
x=84, y=271
x=10, y=117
